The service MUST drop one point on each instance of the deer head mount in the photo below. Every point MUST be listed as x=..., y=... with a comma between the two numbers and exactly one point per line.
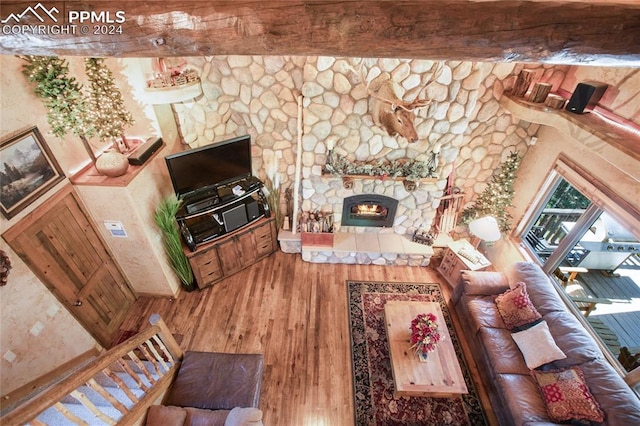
x=388, y=108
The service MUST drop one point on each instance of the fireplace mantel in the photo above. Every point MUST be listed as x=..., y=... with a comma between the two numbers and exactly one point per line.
x=592, y=129
x=410, y=185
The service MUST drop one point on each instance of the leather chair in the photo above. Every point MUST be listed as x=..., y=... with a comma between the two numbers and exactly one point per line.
x=211, y=388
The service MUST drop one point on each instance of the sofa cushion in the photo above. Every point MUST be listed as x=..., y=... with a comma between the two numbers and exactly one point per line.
x=521, y=399
x=542, y=292
x=501, y=352
x=484, y=313
x=571, y=337
x=161, y=415
x=200, y=417
x=484, y=283
x=567, y=396
x=241, y=416
x=217, y=381
x=537, y=345
x=616, y=399
x=515, y=307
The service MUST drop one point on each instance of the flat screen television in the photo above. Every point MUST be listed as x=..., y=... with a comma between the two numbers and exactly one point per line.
x=199, y=169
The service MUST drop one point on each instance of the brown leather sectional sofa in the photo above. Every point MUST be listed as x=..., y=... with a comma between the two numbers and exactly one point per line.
x=515, y=396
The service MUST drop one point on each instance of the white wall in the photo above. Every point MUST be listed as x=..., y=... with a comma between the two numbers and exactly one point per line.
x=25, y=302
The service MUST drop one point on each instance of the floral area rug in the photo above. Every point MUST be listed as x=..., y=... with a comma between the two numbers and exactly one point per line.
x=375, y=403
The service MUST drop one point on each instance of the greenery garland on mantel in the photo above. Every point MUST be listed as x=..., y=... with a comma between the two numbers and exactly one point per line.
x=411, y=170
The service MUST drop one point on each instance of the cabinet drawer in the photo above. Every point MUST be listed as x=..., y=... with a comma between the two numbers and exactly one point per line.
x=446, y=265
x=209, y=266
x=206, y=280
x=445, y=271
x=206, y=268
x=264, y=247
x=449, y=255
x=262, y=233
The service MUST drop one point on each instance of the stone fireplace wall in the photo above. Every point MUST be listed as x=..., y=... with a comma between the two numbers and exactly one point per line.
x=257, y=95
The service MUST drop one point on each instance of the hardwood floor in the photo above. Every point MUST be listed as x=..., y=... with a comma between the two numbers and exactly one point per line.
x=293, y=312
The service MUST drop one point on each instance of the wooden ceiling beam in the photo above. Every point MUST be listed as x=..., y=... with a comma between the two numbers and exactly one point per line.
x=596, y=32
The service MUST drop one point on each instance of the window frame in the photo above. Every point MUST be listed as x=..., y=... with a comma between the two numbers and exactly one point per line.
x=602, y=199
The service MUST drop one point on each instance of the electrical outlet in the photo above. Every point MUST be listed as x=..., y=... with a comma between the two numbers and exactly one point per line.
x=37, y=328
x=53, y=310
x=9, y=356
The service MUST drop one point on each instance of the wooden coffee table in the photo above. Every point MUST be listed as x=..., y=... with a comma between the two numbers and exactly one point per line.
x=440, y=375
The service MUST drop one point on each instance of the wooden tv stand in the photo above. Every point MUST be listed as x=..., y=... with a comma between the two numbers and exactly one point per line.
x=233, y=252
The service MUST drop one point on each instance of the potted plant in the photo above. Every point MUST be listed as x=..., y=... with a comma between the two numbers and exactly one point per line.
x=165, y=219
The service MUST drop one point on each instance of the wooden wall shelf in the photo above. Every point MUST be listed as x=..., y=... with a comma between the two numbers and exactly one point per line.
x=173, y=94
x=91, y=177
x=589, y=128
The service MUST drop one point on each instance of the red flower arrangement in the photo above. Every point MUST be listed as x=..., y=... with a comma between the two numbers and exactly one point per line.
x=424, y=333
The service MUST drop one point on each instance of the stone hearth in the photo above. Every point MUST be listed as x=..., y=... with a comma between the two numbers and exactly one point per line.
x=361, y=248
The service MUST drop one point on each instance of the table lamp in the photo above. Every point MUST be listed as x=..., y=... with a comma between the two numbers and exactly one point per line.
x=486, y=229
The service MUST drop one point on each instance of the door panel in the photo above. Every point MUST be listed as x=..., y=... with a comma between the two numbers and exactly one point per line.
x=229, y=257
x=247, y=247
x=62, y=247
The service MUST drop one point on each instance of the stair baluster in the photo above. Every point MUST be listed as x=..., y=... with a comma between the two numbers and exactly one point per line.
x=142, y=367
x=106, y=395
x=96, y=412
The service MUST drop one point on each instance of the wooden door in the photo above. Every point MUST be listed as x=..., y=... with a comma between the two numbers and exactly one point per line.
x=60, y=244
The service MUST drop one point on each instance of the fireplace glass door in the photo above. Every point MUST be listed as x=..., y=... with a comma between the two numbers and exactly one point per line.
x=369, y=210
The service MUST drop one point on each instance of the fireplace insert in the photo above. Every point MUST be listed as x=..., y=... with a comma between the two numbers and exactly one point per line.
x=369, y=210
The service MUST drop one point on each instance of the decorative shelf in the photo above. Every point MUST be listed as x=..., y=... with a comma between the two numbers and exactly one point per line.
x=173, y=94
x=89, y=176
x=590, y=128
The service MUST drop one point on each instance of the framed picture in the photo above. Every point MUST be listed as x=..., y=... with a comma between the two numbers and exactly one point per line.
x=27, y=170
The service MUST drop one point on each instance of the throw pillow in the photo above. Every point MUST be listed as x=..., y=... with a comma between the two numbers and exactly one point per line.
x=537, y=345
x=567, y=396
x=244, y=417
x=516, y=308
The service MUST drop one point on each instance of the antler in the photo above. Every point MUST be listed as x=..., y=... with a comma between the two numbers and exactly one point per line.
x=407, y=106
x=413, y=105
x=421, y=103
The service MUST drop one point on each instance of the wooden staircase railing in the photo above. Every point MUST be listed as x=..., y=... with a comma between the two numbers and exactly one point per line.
x=155, y=355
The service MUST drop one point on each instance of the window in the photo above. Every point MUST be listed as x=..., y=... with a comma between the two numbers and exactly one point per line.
x=588, y=241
